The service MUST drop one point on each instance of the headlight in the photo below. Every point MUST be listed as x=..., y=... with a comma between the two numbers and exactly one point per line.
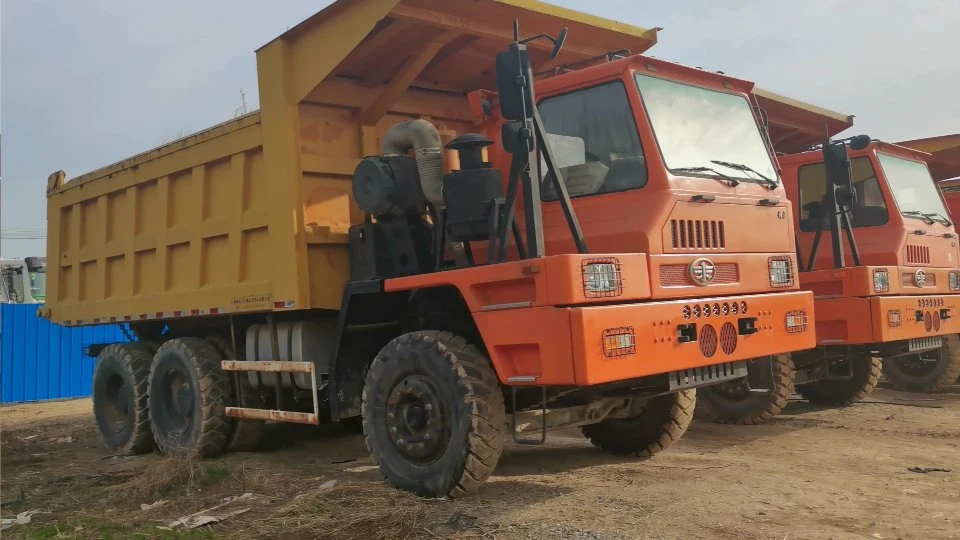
x=781, y=272
x=601, y=278
x=881, y=280
x=955, y=281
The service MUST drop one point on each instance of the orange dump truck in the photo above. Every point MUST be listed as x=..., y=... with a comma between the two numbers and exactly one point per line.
x=406, y=233
x=880, y=255
x=944, y=165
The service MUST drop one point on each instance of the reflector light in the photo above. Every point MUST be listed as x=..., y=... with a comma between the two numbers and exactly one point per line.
x=618, y=342
x=796, y=321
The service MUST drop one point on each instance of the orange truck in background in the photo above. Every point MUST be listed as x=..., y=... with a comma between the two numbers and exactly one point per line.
x=408, y=234
x=880, y=255
x=944, y=165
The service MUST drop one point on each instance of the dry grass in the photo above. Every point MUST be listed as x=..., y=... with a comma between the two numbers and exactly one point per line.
x=364, y=511
x=169, y=476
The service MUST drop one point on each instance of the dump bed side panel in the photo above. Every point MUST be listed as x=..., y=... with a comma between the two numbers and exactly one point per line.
x=185, y=229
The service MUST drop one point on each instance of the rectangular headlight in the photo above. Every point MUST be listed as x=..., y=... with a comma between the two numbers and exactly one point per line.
x=881, y=280
x=955, y=281
x=602, y=278
x=781, y=272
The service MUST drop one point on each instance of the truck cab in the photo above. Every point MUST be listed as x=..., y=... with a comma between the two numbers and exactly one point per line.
x=24, y=280
x=891, y=287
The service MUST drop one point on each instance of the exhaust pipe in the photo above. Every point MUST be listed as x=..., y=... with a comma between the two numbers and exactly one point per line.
x=424, y=139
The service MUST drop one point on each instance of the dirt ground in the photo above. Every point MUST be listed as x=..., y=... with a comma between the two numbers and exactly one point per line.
x=810, y=473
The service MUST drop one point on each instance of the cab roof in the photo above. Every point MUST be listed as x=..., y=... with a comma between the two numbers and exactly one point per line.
x=944, y=153
x=795, y=125
x=450, y=45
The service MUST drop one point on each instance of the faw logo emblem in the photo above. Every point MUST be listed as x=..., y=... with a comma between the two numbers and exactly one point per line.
x=920, y=278
x=702, y=271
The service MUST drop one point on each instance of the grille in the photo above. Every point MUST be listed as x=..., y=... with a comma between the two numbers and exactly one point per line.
x=698, y=234
x=930, y=280
x=716, y=309
x=918, y=254
x=699, y=376
x=728, y=338
x=924, y=343
x=708, y=340
x=678, y=275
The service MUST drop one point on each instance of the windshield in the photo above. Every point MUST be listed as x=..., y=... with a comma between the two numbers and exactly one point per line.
x=695, y=127
x=912, y=186
x=38, y=285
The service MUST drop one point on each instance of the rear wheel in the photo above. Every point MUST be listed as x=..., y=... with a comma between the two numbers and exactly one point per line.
x=932, y=371
x=188, y=394
x=433, y=414
x=245, y=435
x=842, y=392
x=734, y=403
x=120, y=398
x=662, y=422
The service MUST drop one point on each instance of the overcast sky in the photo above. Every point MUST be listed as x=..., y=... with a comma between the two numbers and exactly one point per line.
x=84, y=83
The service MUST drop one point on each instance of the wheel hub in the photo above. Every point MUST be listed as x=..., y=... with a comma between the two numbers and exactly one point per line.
x=118, y=403
x=737, y=390
x=179, y=401
x=416, y=421
x=920, y=364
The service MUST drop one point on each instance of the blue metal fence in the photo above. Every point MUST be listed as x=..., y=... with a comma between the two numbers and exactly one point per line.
x=40, y=360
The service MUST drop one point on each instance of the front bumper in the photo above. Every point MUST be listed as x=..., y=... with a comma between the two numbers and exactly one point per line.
x=883, y=319
x=669, y=337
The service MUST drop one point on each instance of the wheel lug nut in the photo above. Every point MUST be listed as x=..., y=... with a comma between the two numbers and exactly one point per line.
x=400, y=442
x=393, y=430
x=427, y=436
x=428, y=407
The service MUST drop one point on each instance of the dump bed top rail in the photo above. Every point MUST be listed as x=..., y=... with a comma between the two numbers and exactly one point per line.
x=795, y=125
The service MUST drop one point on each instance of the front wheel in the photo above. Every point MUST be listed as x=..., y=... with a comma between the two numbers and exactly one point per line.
x=931, y=371
x=433, y=414
x=662, y=422
x=865, y=374
x=734, y=403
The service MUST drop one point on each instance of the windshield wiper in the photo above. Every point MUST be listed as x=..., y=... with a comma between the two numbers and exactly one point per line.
x=918, y=214
x=769, y=182
x=946, y=220
x=729, y=180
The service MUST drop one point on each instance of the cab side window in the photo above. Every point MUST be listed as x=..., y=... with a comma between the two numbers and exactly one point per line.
x=869, y=209
x=594, y=136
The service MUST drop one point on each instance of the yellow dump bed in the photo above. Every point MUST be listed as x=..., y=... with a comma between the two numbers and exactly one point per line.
x=795, y=125
x=944, y=155
x=252, y=214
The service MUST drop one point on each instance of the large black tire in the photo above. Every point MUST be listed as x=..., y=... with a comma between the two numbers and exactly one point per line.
x=914, y=375
x=662, y=422
x=733, y=402
x=433, y=414
x=120, y=404
x=188, y=396
x=245, y=435
x=844, y=392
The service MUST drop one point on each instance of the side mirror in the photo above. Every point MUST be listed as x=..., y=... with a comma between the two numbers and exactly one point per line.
x=558, y=43
x=513, y=68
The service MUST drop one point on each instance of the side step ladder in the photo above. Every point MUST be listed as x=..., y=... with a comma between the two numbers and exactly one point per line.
x=278, y=367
